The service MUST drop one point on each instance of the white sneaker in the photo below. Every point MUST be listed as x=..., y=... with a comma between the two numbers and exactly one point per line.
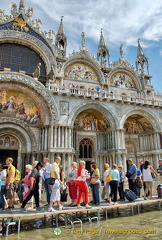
x=61, y=208
x=51, y=210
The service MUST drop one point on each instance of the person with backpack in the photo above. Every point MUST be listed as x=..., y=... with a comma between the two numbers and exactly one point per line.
x=17, y=179
x=10, y=182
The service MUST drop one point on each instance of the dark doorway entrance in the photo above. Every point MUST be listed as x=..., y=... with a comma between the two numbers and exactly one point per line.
x=85, y=148
x=8, y=153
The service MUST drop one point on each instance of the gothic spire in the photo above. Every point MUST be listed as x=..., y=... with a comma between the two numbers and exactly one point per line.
x=141, y=60
x=140, y=51
x=61, y=27
x=102, y=41
x=103, y=52
x=61, y=40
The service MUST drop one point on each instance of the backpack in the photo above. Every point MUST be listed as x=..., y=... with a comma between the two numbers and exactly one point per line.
x=17, y=176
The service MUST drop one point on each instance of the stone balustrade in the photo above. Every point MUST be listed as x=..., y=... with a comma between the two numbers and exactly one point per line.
x=103, y=95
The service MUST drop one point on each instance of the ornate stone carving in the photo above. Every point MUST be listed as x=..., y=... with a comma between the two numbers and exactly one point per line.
x=64, y=108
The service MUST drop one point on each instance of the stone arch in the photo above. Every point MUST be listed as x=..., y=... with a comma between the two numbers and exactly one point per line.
x=34, y=89
x=87, y=61
x=105, y=111
x=30, y=41
x=130, y=73
x=149, y=116
x=24, y=135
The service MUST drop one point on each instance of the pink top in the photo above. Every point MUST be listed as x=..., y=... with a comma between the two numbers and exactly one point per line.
x=27, y=179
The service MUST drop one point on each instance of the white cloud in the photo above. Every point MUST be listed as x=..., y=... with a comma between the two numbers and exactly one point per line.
x=123, y=20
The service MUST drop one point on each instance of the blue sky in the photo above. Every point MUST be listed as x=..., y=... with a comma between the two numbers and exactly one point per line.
x=123, y=21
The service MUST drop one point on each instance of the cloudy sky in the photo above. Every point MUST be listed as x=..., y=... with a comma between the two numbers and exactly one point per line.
x=122, y=21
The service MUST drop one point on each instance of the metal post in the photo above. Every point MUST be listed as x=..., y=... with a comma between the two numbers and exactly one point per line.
x=132, y=210
x=138, y=209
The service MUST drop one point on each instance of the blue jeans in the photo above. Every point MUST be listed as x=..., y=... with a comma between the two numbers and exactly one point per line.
x=132, y=186
x=2, y=193
x=96, y=194
x=48, y=190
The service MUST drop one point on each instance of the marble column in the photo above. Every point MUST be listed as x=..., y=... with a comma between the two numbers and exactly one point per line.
x=51, y=144
x=46, y=139
x=55, y=136
x=69, y=161
x=118, y=159
x=58, y=137
x=155, y=141
x=66, y=137
x=155, y=161
x=63, y=137
x=124, y=162
x=63, y=161
x=69, y=138
x=158, y=141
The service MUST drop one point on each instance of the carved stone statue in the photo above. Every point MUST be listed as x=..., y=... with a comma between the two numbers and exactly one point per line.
x=36, y=73
x=50, y=34
x=29, y=12
x=2, y=15
x=51, y=74
x=83, y=40
x=121, y=52
x=13, y=9
x=38, y=23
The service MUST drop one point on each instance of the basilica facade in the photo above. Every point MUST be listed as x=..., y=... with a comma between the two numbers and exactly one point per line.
x=76, y=106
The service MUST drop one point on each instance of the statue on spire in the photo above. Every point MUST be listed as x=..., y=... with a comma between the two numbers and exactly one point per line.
x=22, y=5
x=83, y=41
x=13, y=9
x=121, y=52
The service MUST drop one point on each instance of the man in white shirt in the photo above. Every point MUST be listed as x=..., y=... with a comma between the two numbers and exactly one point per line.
x=47, y=174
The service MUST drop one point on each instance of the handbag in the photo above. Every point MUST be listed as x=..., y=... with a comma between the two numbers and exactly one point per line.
x=139, y=182
x=51, y=181
x=63, y=196
x=153, y=175
x=109, y=177
x=94, y=180
x=128, y=174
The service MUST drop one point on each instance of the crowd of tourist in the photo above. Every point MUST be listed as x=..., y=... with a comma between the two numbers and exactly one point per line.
x=79, y=181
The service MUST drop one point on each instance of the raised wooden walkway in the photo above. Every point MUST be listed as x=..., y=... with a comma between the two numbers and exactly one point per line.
x=72, y=215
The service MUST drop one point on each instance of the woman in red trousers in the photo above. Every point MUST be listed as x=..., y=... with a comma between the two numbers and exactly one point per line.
x=82, y=185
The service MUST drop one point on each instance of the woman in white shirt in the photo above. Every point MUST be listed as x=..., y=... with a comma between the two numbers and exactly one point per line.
x=3, y=186
x=147, y=178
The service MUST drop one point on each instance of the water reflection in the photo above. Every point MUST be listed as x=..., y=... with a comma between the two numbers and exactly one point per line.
x=143, y=226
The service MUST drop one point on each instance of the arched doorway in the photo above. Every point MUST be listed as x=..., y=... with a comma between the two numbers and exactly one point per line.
x=9, y=146
x=139, y=138
x=91, y=129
